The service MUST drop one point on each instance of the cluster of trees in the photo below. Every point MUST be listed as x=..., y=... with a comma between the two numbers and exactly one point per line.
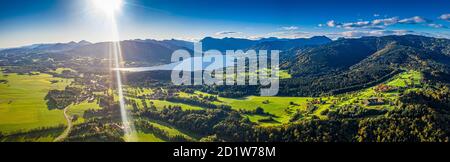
x=66, y=74
x=196, y=121
x=257, y=111
x=96, y=131
x=59, y=99
x=414, y=123
x=111, y=112
x=196, y=102
x=354, y=111
x=296, y=116
x=230, y=91
x=421, y=117
x=211, y=98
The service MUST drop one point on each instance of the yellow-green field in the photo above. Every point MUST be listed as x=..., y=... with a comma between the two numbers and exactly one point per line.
x=78, y=109
x=60, y=70
x=410, y=80
x=159, y=104
x=278, y=106
x=406, y=78
x=149, y=137
x=22, y=104
x=282, y=74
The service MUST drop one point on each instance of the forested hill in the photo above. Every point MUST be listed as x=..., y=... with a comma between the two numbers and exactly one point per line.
x=346, y=65
x=346, y=54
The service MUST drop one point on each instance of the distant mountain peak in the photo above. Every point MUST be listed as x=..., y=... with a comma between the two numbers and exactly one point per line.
x=84, y=42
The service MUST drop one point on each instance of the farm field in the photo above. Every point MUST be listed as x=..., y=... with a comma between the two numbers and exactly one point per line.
x=22, y=104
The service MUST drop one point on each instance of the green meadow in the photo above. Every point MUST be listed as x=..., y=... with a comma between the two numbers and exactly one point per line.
x=60, y=70
x=278, y=106
x=146, y=137
x=131, y=93
x=22, y=104
x=150, y=137
x=79, y=109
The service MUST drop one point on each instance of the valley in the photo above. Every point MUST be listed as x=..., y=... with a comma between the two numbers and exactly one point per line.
x=387, y=94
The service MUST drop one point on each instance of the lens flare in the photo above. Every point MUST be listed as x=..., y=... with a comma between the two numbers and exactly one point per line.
x=108, y=6
x=128, y=125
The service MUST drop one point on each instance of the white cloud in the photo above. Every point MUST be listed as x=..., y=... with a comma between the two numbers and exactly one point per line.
x=359, y=24
x=361, y=33
x=227, y=33
x=414, y=20
x=385, y=22
x=445, y=17
x=376, y=15
x=380, y=24
x=289, y=28
x=332, y=23
x=436, y=25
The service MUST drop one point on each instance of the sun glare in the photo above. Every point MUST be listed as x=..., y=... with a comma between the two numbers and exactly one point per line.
x=108, y=6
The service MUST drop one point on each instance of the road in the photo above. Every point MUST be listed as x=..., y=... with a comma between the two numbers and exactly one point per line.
x=69, y=127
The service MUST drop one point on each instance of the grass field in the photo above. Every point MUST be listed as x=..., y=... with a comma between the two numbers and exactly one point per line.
x=282, y=74
x=78, y=109
x=278, y=106
x=22, y=104
x=406, y=78
x=47, y=135
x=149, y=137
x=409, y=80
x=159, y=104
x=60, y=70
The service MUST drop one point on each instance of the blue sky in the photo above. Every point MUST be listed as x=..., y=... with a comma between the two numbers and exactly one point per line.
x=25, y=22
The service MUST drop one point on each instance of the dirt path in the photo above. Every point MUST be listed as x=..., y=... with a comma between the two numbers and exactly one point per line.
x=69, y=127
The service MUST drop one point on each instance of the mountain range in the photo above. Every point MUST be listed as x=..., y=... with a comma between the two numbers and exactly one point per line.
x=159, y=52
x=317, y=64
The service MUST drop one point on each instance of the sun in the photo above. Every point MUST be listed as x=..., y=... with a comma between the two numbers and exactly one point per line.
x=108, y=6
